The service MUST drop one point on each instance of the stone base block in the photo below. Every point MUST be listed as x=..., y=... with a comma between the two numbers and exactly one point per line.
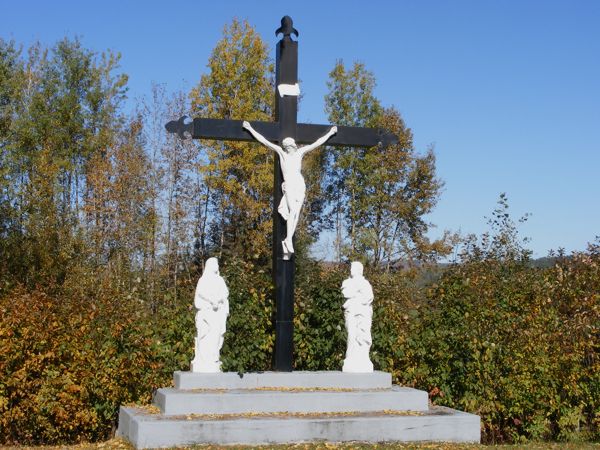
x=291, y=380
x=147, y=430
x=279, y=407
x=177, y=402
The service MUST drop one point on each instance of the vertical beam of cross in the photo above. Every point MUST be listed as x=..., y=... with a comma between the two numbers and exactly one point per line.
x=286, y=109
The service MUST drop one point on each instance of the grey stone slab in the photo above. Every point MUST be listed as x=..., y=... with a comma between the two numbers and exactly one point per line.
x=129, y=419
x=155, y=431
x=176, y=402
x=300, y=379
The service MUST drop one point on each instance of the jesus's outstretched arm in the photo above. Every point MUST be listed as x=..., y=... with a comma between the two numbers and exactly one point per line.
x=260, y=138
x=318, y=142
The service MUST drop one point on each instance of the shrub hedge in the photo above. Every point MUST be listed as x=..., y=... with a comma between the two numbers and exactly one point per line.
x=515, y=344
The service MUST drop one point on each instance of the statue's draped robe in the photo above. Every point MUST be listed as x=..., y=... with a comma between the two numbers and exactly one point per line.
x=211, y=317
x=358, y=313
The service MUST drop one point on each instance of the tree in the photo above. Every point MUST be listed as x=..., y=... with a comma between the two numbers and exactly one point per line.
x=11, y=72
x=502, y=242
x=182, y=195
x=120, y=206
x=60, y=107
x=238, y=175
x=350, y=102
x=379, y=195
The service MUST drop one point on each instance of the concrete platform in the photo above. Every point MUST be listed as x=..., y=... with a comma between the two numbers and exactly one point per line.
x=239, y=401
x=146, y=430
x=291, y=380
x=280, y=407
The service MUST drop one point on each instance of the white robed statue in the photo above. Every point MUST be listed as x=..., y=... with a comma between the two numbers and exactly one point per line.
x=358, y=313
x=293, y=186
x=211, y=317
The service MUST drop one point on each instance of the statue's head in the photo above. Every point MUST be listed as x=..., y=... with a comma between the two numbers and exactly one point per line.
x=212, y=266
x=356, y=269
x=289, y=145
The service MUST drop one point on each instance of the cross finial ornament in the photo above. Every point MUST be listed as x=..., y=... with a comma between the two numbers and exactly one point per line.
x=286, y=28
x=180, y=127
x=279, y=135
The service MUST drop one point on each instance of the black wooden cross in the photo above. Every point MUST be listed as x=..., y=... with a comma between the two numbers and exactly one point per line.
x=285, y=125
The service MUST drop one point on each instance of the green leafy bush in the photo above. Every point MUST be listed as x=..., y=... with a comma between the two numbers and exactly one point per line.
x=516, y=344
x=66, y=364
x=494, y=336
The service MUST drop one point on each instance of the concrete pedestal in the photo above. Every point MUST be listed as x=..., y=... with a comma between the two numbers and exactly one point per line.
x=287, y=380
x=279, y=407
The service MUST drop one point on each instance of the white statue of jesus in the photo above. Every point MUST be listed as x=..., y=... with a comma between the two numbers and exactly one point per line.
x=293, y=186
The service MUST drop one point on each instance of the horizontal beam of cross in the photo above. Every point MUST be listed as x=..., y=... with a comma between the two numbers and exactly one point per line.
x=232, y=130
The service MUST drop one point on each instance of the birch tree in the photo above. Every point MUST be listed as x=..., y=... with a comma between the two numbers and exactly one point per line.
x=379, y=196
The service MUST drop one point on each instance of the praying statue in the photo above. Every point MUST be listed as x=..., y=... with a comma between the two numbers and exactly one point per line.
x=293, y=186
x=358, y=313
x=211, y=317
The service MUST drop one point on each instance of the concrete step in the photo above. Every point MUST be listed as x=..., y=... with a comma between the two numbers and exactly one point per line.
x=300, y=379
x=147, y=430
x=177, y=402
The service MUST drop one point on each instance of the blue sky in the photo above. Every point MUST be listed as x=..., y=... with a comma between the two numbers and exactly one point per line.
x=508, y=92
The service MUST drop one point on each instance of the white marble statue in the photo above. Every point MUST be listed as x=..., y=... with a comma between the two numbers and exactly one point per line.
x=211, y=316
x=293, y=186
x=358, y=312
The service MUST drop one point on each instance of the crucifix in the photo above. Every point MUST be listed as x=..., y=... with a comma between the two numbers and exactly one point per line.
x=288, y=133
